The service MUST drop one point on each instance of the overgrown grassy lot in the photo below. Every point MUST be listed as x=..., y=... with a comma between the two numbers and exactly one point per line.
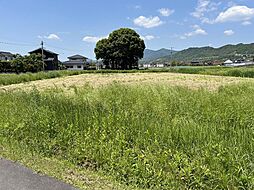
x=7, y=79
x=148, y=136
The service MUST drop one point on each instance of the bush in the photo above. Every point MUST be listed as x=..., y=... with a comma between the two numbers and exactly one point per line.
x=22, y=64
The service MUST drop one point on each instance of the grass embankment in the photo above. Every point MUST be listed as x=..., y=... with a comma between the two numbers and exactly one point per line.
x=150, y=137
x=8, y=79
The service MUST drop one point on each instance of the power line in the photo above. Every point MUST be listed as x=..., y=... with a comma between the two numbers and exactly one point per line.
x=65, y=49
x=35, y=45
x=32, y=45
x=17, y=44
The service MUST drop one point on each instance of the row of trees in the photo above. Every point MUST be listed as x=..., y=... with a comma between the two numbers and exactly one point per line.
x=22, y=64
x=121, y=50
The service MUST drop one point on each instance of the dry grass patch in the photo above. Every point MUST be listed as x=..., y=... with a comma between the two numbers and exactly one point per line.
x=97, y=80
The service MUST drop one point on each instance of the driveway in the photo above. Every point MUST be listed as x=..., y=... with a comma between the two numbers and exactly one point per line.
x=13, y=176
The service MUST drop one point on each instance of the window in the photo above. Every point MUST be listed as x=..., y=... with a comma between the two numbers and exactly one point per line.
x=79, y=67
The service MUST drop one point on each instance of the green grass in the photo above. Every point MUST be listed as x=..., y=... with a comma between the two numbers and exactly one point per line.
x=144, y=136
x=83, y=178
x=60, y=169
x=7, y=79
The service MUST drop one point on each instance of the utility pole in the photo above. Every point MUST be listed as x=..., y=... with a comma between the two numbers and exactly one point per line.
x=171, y=55
x=42, y=55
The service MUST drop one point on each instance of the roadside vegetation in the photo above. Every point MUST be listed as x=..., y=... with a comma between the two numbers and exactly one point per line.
x=149, y=136
x=60, y=169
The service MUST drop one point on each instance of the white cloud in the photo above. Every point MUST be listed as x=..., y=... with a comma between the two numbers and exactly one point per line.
x=148, y=37
x=195, y=26
x=197, y=31
x=148, y=22
x=137, y=7
x=246, y=23
x=229, y=32
x=92, y=39
x=203, y=8
x=236, y=13
x=52, y=37
x=49, y=37
x=166, y=12
x=183, y=37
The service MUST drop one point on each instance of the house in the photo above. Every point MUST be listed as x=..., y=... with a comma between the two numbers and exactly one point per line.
x=76, y=62
x=100, y=65
x=228, y=62
x=146, y=65
x=160, y=65
x=196, y=63
x=152, y=65
x=50, y=58
x=6, y=56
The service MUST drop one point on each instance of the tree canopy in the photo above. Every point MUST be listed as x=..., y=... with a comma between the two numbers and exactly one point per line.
x=22, y=64
x=121, y=50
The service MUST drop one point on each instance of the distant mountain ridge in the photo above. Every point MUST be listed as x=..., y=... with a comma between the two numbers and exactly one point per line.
x=206, y=53
x=150, y=55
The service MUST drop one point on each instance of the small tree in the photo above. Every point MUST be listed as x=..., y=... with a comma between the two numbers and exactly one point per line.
x=121, y=50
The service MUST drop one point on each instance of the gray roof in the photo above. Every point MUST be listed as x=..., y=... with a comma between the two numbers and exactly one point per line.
x=45, y=50
x=6, y=53
x=77, y=57
x=74, y=62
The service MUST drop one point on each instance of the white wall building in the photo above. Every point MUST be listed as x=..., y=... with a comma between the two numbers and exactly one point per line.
x=76, y=62
x=154, y=65
x=6, y=56
x=228, y=62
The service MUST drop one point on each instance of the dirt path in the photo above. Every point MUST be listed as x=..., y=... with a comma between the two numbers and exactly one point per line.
x=97, y=80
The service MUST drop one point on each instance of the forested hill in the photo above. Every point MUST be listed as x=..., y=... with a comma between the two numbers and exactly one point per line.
x=150, y=55
x=210, y=53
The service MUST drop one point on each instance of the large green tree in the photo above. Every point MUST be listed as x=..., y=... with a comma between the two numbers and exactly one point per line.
x=121, y=50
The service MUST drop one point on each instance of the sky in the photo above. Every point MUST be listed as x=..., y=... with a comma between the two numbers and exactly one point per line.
x=70, y=27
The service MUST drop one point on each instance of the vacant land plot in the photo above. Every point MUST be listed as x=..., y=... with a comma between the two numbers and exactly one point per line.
x=8, y=79
x=191, y=81
x=161, y=131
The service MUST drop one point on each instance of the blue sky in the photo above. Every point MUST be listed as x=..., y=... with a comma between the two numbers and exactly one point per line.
x=73, y=26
